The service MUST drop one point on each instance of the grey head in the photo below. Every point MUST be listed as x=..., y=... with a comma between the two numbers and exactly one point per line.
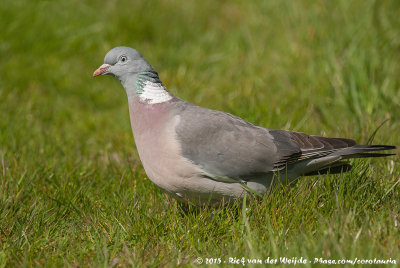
x=124, y=63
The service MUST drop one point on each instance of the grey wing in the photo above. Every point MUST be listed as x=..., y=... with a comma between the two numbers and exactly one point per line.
x=226, y=146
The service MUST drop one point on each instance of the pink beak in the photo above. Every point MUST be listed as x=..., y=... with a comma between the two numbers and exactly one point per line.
x=101, y=70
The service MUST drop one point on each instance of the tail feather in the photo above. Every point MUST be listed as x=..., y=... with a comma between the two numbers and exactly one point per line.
x=368, y=155
x=362, y=151
x=339, y=166
x=374, y=147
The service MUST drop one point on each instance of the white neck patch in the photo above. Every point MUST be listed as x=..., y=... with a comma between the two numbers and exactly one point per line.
x=154, y=93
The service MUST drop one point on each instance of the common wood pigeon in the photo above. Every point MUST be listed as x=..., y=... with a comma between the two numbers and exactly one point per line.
x=204, y=156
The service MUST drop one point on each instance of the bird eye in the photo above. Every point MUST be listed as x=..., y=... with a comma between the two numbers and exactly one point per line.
x=123, y=58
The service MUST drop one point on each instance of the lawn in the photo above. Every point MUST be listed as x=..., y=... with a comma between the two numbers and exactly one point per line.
x=72, y=188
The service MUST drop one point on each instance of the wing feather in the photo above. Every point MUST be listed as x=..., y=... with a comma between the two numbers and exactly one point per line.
x=226, y=146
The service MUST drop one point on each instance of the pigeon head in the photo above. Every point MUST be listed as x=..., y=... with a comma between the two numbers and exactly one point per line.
x=122, y=62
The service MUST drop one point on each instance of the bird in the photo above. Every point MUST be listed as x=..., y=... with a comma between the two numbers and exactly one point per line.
x=204, y=157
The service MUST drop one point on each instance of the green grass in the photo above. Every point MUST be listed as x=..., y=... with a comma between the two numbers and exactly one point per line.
x=72, y=189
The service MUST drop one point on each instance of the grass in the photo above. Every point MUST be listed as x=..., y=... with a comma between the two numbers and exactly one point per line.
x=73, y=191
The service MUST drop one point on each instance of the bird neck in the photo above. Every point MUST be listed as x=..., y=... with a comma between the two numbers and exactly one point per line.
x=149, y=89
